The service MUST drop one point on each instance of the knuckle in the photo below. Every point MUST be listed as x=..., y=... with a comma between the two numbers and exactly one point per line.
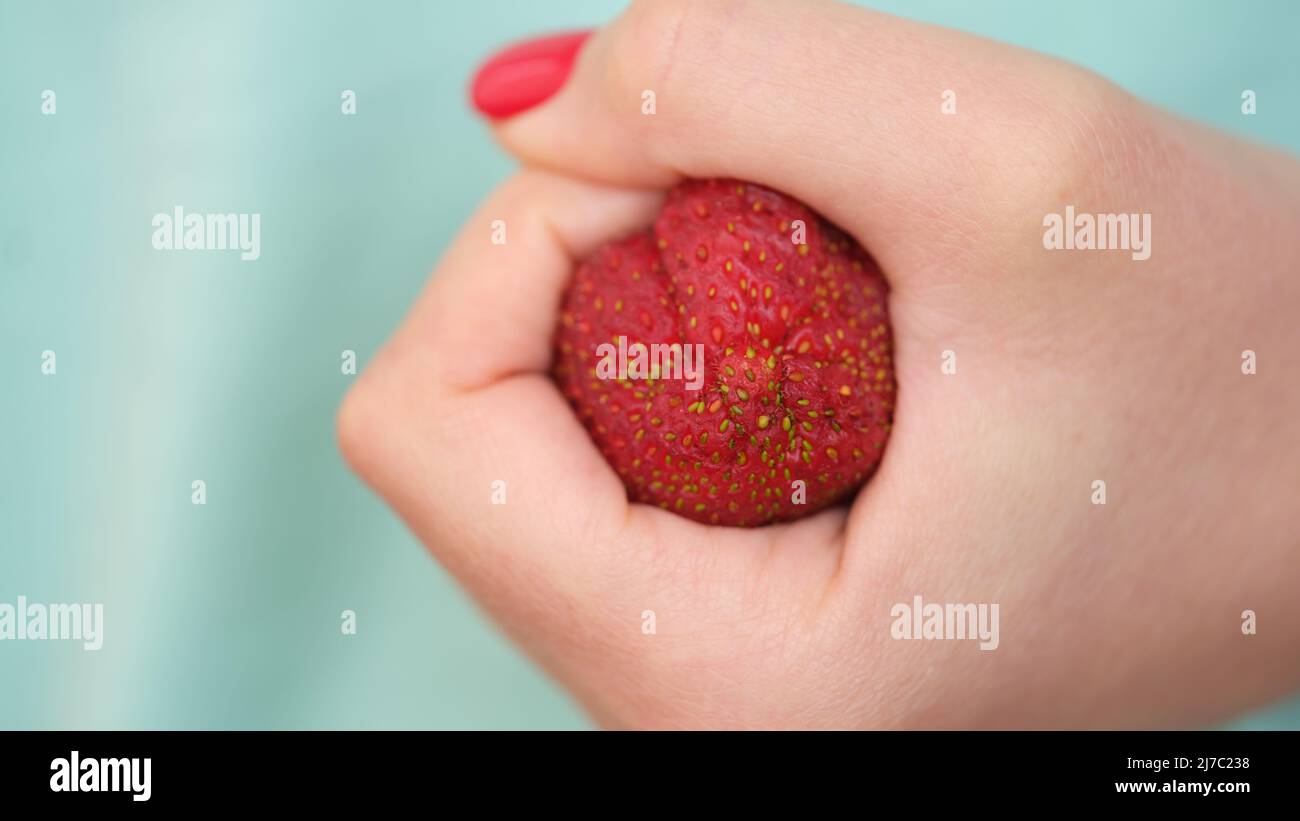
x=1068, y=136
x=643, y=46
x=357, y=422
x=1085, y=140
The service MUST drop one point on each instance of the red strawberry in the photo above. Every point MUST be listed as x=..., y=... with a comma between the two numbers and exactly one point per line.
x=797, y=376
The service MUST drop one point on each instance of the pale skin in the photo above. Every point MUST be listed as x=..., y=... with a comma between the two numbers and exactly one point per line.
x=1071, y=367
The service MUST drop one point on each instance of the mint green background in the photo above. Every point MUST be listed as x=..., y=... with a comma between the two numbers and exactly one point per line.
x=175, y=367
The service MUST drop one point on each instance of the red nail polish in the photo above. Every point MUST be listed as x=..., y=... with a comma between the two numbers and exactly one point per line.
x=524, y=75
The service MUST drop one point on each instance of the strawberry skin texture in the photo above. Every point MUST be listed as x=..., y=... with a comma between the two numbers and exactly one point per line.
x=798, y=365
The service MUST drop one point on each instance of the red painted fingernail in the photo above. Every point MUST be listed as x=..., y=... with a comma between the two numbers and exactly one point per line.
x=524, y=75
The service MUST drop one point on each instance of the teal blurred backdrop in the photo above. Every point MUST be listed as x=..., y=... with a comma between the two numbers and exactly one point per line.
x=177, y=367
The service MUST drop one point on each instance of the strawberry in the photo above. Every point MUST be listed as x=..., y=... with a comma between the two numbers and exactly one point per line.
x=797, y=384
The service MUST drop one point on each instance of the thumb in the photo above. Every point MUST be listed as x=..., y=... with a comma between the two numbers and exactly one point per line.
x=889, y=128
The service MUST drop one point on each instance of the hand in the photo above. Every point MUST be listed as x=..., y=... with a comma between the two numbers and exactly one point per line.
x=1071, y=366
